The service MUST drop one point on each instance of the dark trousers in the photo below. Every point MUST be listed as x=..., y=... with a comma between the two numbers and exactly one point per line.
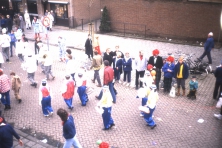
x=181, y=82
x=167, y=84
x=158, y=77
x=216, y=88
x=97, y=77
x=11, y=45
x=208, y=56
x=139, y=74
x=128, y=75
x=116, y=74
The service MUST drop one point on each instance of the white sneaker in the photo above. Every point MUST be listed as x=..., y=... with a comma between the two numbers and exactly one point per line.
x=120, y=82
x=218, y=116
x=128, y=84
x=124, y=83
x=51, y=113
x=141, y=115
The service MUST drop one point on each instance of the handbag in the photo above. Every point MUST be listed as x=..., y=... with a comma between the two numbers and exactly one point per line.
x=219, y=103
x=144, y=109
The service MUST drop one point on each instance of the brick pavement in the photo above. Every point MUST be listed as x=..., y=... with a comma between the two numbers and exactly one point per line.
x=176, y=117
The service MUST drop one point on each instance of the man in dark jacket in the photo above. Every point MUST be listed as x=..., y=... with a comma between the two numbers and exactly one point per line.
x=88, y=47
x=108, y=56
x=208, y=46
x=69, y=130
x=218, y=83
x=181, y=73
x=6, y=135
x=9, y=23
x=157, y=62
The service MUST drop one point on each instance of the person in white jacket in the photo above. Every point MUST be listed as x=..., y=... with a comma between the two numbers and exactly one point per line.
x=27, y=20
x=70, y=66
x=48, y=61
x=5, y=43
x=19, y=51
x=51, y=20
x=31, y=66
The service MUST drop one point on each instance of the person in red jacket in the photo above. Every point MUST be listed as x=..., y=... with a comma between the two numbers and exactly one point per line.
x=68, y=91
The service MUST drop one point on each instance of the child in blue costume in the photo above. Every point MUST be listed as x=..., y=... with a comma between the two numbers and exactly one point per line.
x=81, y=84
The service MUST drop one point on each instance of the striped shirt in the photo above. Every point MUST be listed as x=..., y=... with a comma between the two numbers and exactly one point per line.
x=4, y=83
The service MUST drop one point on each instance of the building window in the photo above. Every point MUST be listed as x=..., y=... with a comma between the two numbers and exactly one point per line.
x=60, y=10
x=209, y=1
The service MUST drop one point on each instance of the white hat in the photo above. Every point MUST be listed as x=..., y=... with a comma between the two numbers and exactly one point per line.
x=211, y=34
x=4, y=30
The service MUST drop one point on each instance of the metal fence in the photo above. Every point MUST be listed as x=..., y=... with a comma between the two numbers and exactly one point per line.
x=82, y=24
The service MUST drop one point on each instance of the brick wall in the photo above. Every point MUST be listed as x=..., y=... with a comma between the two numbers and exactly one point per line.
x=181, y=19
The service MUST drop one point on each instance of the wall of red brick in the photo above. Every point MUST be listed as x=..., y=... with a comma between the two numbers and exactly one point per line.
x=167, y=18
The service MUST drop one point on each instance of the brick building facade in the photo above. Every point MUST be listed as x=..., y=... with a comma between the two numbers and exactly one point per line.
x=168, y=18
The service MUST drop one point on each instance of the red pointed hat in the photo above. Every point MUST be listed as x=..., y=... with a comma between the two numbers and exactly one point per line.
x=170, y=58
x=156, y=52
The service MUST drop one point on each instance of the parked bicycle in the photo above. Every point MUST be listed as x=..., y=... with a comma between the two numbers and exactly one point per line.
x=198, y=68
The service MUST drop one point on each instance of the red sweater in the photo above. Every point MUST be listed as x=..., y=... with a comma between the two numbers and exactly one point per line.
x=108, y=75
x=70, y=90
x=45, y=92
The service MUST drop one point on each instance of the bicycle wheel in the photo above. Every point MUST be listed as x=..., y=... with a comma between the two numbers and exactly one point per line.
x=201, y=74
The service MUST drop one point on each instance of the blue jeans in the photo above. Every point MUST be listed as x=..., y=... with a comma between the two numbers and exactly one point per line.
x=107, y=119
x=68, y=102
x=112, y=91
x=11, y=45
x=46, y=105
x=72, y=142
x=5, y=98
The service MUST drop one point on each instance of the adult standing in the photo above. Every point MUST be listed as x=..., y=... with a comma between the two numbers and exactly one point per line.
x=97, y=45
x=6, y=135
x=31, y=67
x=54, y=17
x=218, y=83
x=5, y=90
x=5, y=43
x=106, y=104
x=3, y=21
x=69, y=129
x=108, y=79
x=48, y=61
x=9, y=23
x=70, y=66
x=68, y=89
x=45, y=99
x=157, y=62
x=107, y=56
x=168, y=69
x=114, y=53
x=88, y=47
x=21, y=22
x=127, y=68
x=141, y=64
x=12, y=42
x=17, y=21
x=208, y=46
x=62, y=48
x=16, y=85
x=181, y=73
x=96, y=65
x=36, y=24
x=27, y=20
x=51, y=18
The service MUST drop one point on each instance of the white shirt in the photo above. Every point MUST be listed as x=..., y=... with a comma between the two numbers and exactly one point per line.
x=70, y=67
x=5, y=40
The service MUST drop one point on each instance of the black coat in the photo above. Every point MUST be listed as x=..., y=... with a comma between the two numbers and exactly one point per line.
x=88, y=47
x=113, y=53
x=159, y=62
x=108, y=57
